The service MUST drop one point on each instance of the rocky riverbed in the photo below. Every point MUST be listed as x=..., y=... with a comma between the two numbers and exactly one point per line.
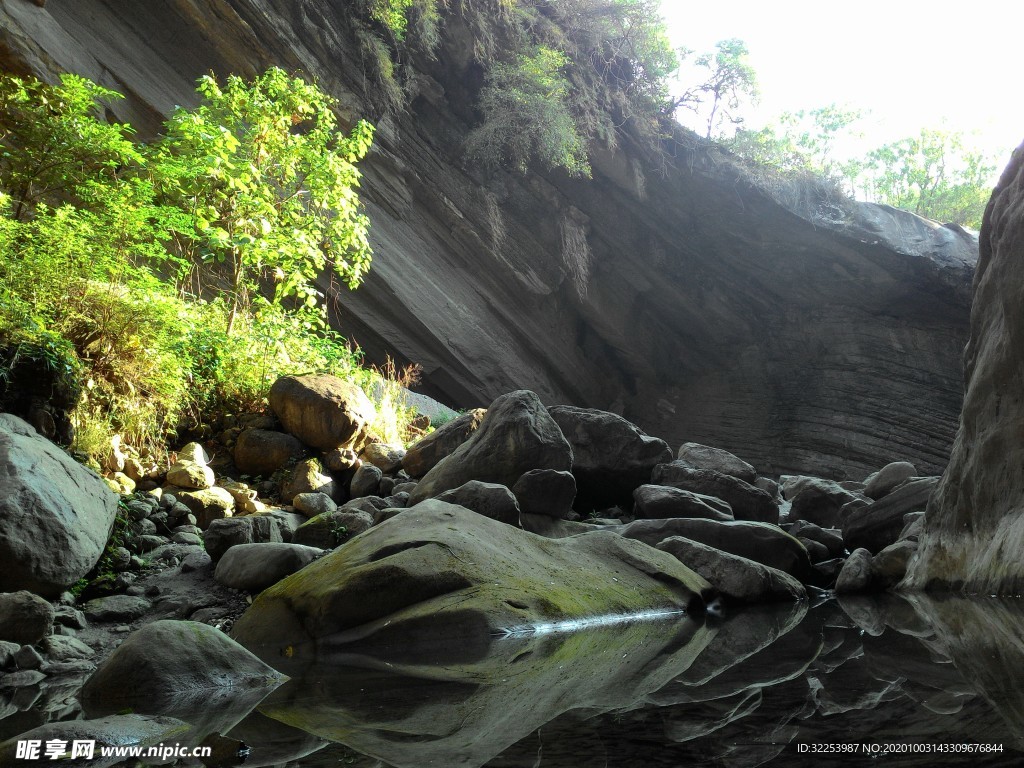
x=514, y=521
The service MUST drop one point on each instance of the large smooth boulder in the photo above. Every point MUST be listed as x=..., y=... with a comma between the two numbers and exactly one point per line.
x=515, y=435
x=169, y=660
x=660, y=502
x=55, y=514
x=424, y=455
x=611, y=456
x=263, y=451
x=705, y=457
x=321, y=410
x=746, y=501
x=760, y=542
x=738, y=578
x=438, y=571
x=876, y=527
x=254, y=567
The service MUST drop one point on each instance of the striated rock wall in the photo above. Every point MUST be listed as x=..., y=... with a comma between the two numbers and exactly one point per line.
x=806, y=335
x=974, y=528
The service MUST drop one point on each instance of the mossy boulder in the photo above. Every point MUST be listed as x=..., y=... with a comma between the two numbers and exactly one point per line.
x=439, y=571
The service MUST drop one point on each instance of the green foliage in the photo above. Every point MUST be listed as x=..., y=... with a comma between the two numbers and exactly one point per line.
x=100, y=241
x=526, y=115
x=392, y=14
x=557, y=75
x=269, y=187
x=934, y=174
x=54, y=148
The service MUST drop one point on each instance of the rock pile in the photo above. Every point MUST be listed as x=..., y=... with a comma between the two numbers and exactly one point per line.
x=519, y=515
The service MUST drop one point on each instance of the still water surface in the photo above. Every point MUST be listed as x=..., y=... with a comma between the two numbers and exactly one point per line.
x=895, y=673
x=764, y=686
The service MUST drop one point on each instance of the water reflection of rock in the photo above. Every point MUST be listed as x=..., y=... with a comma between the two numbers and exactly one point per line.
x=674, y=692
x=466, y=713
x=871, y=670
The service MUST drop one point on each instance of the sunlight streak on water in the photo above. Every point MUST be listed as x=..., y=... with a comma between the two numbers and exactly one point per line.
x=575, y=625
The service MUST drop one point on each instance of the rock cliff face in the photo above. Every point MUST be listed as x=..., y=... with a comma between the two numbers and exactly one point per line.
x=974, y=526
x=804, y=335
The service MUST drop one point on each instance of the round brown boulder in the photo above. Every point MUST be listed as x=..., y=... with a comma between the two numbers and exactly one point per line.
x=321, y=410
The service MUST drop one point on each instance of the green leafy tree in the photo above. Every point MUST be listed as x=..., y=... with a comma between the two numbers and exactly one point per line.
x=730, y=82
x=526, y=115
x=804, y=142
x=55, y=150
x=934, y=174
x=269, y=186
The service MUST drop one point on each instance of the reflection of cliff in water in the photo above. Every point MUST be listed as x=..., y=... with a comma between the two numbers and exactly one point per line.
x=739, y=693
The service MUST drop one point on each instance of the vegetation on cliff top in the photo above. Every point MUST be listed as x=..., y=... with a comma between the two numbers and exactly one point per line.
x=176, y=280
x=560, y=78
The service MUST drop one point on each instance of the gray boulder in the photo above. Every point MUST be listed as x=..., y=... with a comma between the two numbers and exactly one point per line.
x=546, y=492
x=877, y=526
x=890, y=565
x=308, y=477
x=331, y=529
x=746, y=501
x=760, y=542
x=116, y=608
x=208, y=504
x=365, y=481
x=611, y=456
x=251, y=529
x=735, y=577
x=830, y=538
x=887, y=478
x=263, y=451
x=453, y=573
x=515, y=436
x=857, y=574
x=819, y=502
x=254, y=567
x=321, y=410
x=424, y=455
x=488, y=499
x=55, y=514
x=705, y=457
x=25, y=618
x=659, y=502
x=313, y=504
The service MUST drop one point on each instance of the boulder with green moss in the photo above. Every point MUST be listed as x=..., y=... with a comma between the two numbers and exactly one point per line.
x=439, y=571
